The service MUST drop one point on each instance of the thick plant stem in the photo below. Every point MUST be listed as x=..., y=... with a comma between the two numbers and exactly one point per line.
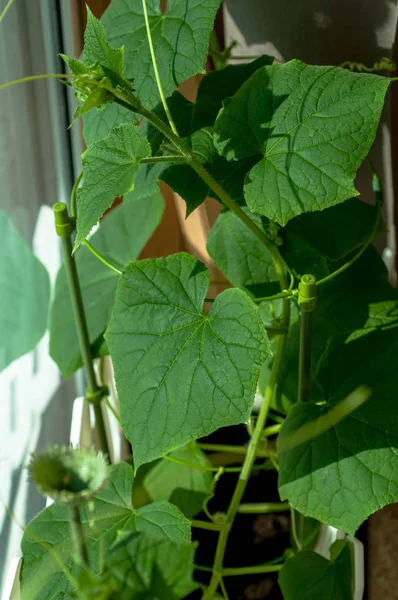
x=245, y=473
x=63, y=226
x=263, y=508
x=78, y=534
x=305, y=357
x=307, y=302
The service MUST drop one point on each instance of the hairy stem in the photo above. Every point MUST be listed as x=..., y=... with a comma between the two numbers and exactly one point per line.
x=156, y=70
x=78, y=534
x=245, y=474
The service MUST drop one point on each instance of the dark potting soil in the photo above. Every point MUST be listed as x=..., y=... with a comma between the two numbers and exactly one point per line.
x=254, y=539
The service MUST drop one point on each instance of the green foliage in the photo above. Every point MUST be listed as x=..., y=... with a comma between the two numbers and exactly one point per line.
x=311, y=128
x=180, y=38
x=241, y=256
x=98, y=123
x=309, y=576
x=193, y=372
x=108, y=520
x=279, y=145
x=218, y=85
x=120, y=238
x=24, y=298
x=184, y=486
x=144, y=568
x=109, y=169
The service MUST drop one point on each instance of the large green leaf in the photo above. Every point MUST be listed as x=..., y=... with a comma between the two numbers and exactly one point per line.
x=180, y=38
x=164, y=521
x=218, y=85
x=350, y=471
x=336, y=231
x=146, y=568
x=98, y=122
x=109, y=169
x=309, y=576
x=313, y=126
x=185, y=487
x=238, y=252
x=181, y=373
x=24, y=298
x=110, y=517
x=120, y=238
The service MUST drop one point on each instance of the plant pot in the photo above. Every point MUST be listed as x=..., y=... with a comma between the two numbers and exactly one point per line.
x=328, y=535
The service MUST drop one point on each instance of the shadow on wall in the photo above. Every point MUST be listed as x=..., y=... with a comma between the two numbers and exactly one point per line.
x=319, y=31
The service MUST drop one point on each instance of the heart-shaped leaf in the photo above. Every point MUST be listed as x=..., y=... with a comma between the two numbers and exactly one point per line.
x=181, y=373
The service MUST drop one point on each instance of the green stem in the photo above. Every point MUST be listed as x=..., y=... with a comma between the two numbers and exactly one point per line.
x=379, y=201
x=207, y=525
x=305, y=356
x=223, y=589
x=272, y=430
x=3, y=86
x=263, y=508
x=78, y=534
x=64, y=228
x=6, y=8
x=184, y=463
x=256, y=570
x=245, y=474
x=160, y=159
x=286, y=295
x=231, y=449
x=105, y=261
x=156, y=70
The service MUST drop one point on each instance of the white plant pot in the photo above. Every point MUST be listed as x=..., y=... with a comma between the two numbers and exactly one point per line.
x=327, y=537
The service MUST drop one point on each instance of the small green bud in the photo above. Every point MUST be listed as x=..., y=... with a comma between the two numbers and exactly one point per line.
x=69, y=476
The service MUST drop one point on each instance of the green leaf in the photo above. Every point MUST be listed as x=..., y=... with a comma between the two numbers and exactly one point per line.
x=348, y=472
x=147, y=568
x=313, y=126
x=313, y=241
x=110, y=518
x=98, y=51
x=221, y=84
x=191, y=187
x=309, y=576
x=111, y=513
x=121, y=236
x=180, y=38
x=336, y=231
x=164, y=521
x=368, y=301
x=98, y=123
x=109, y=169
x=181, y=373
x=185, y=487
x=239, y=254
x=24, y=298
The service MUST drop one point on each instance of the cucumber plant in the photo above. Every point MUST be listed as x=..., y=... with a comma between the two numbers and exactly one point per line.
x=307, y=323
